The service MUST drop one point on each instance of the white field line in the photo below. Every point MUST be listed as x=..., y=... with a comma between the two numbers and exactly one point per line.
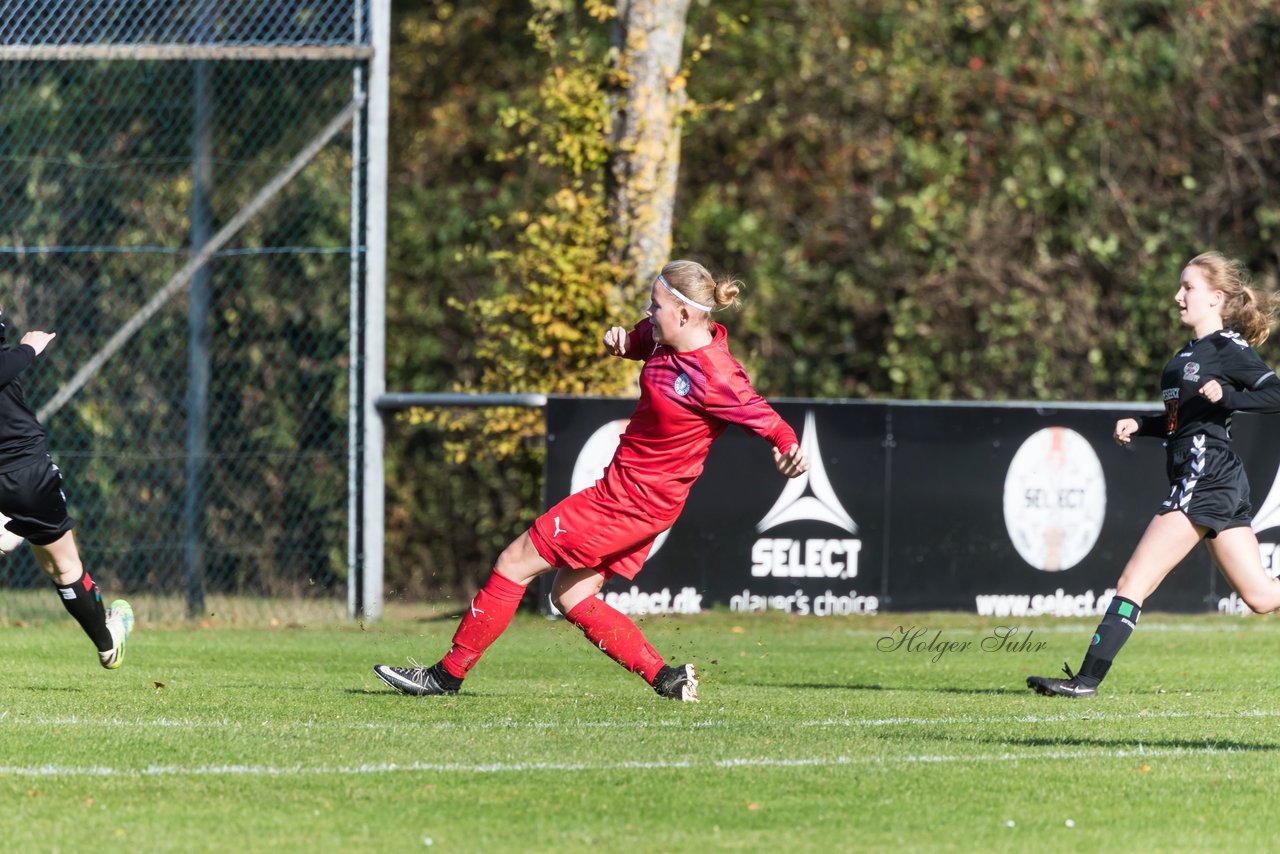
x=577, y=767
x=224, y=724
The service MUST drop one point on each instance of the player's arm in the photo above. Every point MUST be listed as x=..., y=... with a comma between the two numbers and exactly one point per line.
x=636, y=344
x=788, y=457
x=17, y=360
x=731, y=398
x=1139, y=425
x=1247, y=384
x=1263, y=398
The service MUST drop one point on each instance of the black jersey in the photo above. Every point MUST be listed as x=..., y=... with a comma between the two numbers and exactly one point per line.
x=21, y=436
x=1223, y=356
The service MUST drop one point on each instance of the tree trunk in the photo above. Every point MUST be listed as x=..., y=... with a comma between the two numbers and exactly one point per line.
x=646, y=132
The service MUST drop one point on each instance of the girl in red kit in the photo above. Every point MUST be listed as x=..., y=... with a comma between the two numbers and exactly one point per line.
x=691, y=389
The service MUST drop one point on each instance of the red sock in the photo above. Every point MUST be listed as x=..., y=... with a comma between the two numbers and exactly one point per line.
x=618, y=637
x=489, y=615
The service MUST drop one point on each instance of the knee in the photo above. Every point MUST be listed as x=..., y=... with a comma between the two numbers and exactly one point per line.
x=1264, y=600
x=63, y=577
x=63, y=569
x=568, y=593
x=508, y=559
x=569, y=597
x=520, y=561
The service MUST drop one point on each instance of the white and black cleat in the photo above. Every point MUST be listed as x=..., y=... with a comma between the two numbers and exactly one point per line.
x=419, y=681
x=1072, y=686
x=677, y=683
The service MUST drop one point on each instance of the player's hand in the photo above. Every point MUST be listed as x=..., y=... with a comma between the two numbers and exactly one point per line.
x=1125, y=428
x=793, y=463
x=1211, y=391
x=615, y=341
x=38, y=340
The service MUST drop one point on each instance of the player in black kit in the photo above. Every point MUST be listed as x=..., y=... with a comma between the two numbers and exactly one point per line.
x=1215, y=374
x=32, y=499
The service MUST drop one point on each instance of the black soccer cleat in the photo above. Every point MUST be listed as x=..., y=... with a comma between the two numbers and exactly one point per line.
x=677, y=683
x=1072, y=686
x=419, y=681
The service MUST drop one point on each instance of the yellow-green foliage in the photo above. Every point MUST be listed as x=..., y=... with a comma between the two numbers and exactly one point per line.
x=978, y=200
x=541, y=331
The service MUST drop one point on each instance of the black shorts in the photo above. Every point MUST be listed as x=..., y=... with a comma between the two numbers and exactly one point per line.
x=32, y=499
x=1208, y=484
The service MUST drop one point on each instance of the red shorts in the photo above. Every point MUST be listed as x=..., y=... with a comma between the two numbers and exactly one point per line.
x=593, y=530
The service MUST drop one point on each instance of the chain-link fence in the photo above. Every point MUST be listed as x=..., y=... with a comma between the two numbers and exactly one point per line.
x=177, y=204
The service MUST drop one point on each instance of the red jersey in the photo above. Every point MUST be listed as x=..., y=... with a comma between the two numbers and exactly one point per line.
x=686, y=401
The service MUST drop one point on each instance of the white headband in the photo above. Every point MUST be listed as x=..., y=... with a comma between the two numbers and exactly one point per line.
x=684, y=299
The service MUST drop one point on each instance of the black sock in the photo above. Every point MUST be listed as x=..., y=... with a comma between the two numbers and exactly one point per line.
x=444, y=677
x=83, y=601
x=1116, y=626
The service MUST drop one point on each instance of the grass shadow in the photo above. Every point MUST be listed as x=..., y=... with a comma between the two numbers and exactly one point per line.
x=854, y=686
x=1226, y=746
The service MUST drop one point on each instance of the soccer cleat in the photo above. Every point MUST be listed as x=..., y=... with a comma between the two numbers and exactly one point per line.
x=418, y=680
x=677, y=683
x=119, y=624
x=1069, y=687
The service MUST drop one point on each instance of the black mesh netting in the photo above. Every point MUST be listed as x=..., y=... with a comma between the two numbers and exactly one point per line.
x=209, y=454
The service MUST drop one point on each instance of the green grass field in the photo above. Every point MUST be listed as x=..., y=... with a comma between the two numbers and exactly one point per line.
x=811, y=736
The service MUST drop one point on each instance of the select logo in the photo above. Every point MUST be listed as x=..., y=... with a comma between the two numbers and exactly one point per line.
x=1055, y=499
x=807, y=498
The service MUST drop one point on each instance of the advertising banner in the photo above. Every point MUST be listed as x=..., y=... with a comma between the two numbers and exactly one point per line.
x=749, y=538
x=997, y=509
x=1021, y=511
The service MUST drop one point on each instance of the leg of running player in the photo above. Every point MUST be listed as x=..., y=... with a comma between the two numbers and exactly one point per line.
x=616, y=635
x=1168, y=539
x=612, y=631
x=60, y=560
x=491, y=610
x=108, y=629
x=486, y=618
x=1236, y=552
